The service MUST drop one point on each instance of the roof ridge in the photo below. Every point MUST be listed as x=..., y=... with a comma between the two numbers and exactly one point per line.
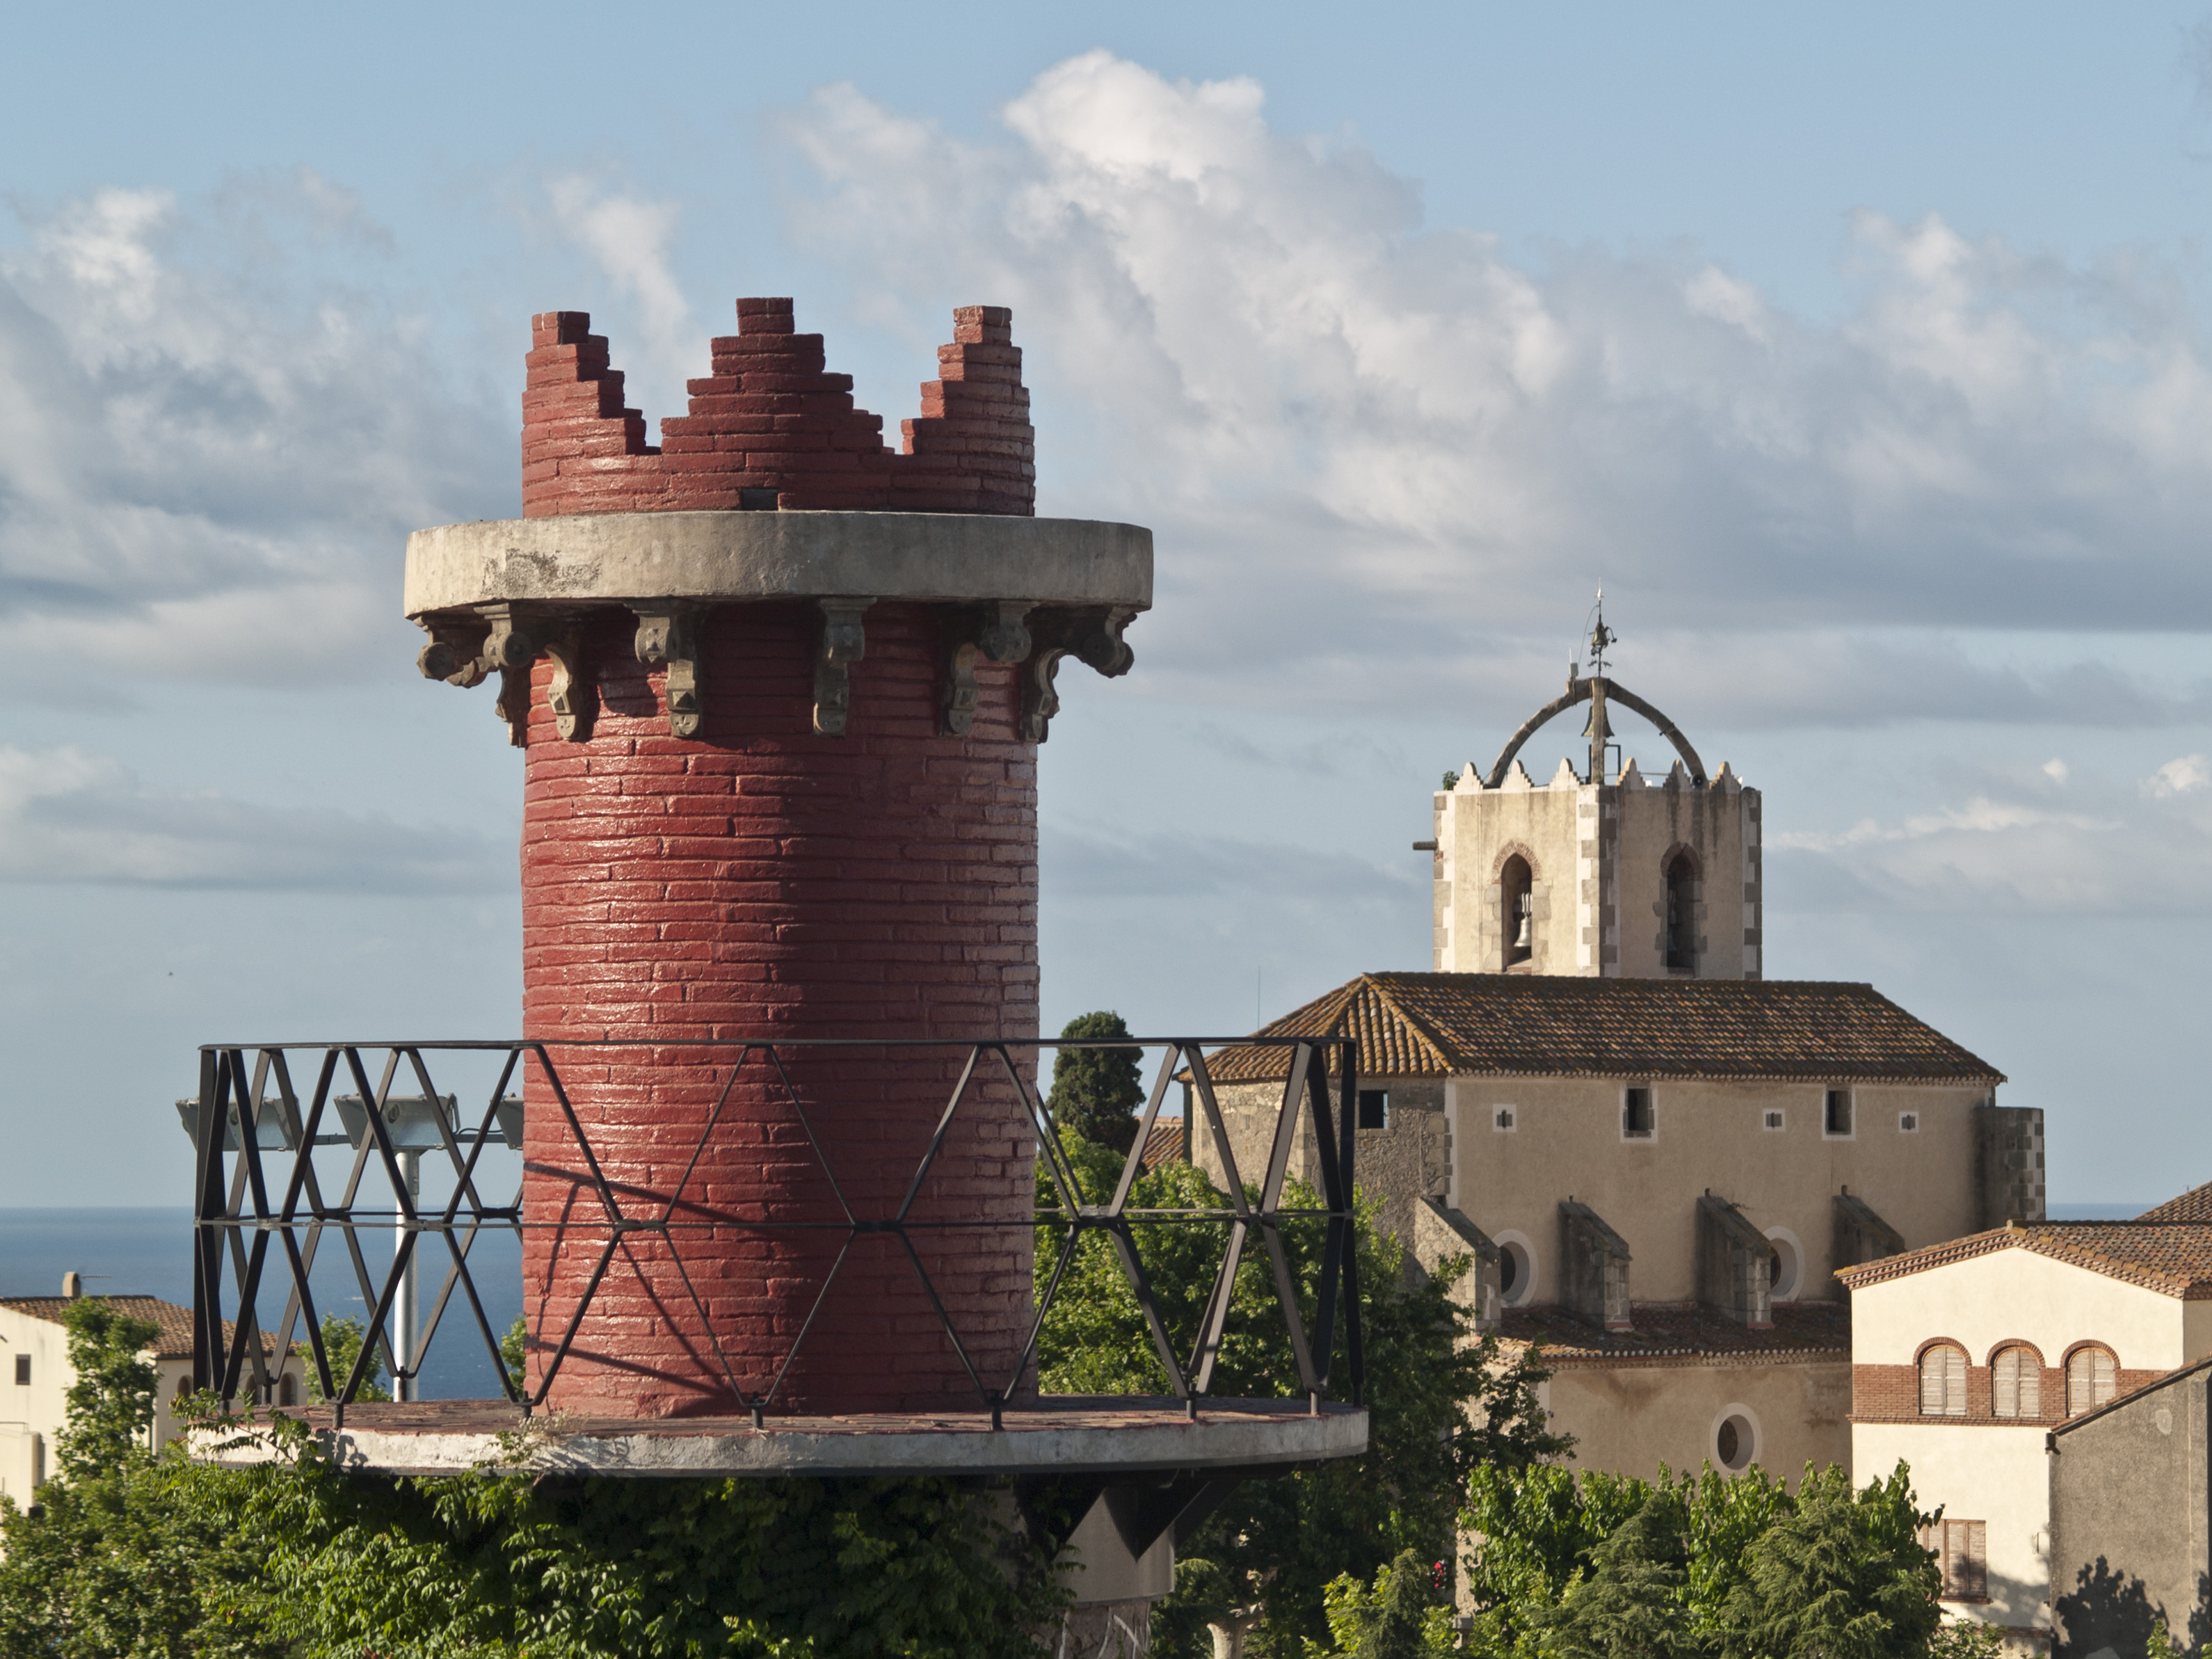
x=1438, y=1051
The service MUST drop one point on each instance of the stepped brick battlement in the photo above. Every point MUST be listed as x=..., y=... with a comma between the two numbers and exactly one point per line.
x=770, y=427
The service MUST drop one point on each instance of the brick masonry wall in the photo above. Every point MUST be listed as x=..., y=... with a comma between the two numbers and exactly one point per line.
x=762, y=880
x=1891, y=1393
x=770, y=426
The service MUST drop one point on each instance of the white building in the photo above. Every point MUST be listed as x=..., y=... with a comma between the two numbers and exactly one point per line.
x=36, y=1372
x=1966, y=1356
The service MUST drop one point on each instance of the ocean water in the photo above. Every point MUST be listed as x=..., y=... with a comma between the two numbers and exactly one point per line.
x=147, y=1252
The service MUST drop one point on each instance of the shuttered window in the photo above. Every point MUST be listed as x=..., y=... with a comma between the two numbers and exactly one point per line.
x=1943, y=1381
x=1965, y=1560
x=2016, y=1383
x=2093, y=1378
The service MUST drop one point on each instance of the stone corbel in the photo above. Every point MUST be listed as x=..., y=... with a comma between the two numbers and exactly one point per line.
x=844, y=641
x=1090, y=636
x=510, y=646
x=455, y=652
x=572, y=698
x=993, y=630
x=668, y=633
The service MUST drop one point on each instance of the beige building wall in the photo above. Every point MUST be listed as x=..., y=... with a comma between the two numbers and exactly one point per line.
x=1397, y=1165
x=2017, y=1296
x=1597, y=854
x=1566, y=1141
x=1631, y=1418
x=1999, y=1476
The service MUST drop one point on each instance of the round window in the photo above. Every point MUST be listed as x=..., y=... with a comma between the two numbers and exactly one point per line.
x=1517, y=1270
x=1789, y=1265
x=1735, y=1443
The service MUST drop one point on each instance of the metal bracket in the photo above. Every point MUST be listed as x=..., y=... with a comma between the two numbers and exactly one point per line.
x=1091, y=636
x=668, y=633
x=994, y=631
x=844, y=641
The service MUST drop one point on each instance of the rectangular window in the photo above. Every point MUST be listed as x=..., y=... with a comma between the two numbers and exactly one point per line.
x=22, y=1370
x=1501, y=1119
x=1908, y=1123
x=1637, y=1122
x=1373, y=1109
x=1774, y=1119
x=1962, y=1549
x=1837, y=1118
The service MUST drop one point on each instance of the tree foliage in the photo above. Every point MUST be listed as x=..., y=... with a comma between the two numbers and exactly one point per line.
x=341, y=1340
x=1401, y=1617
x=1096, y=1091
x=111, y=1403
x=1603, y=1566
x=1441, y=1403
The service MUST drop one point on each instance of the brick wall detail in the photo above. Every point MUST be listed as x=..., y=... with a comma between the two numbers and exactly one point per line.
x=762, y=880
x=1891, y=1393
x=769, y=427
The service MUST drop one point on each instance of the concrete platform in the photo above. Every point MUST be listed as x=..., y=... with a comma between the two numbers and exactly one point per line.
x=1063, y=1434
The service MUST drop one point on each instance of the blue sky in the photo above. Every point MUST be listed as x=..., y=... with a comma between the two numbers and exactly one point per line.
x=1863, y=354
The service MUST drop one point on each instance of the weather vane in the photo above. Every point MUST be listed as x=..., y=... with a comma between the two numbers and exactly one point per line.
x=1601, y=637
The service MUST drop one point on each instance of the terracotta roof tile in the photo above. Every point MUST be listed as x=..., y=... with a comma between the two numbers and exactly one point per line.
x=2172, y=1257
x=173, y=1322
x=1166, y=1144
x=1516, y=1024
x=1671, y=1332
x=2195, y=1205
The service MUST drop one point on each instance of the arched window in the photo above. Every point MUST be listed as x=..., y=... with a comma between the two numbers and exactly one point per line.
x=1682, y=912
x=2093, y=1378
x=1516, y=914
x=2016, y=1382
x=288, y=1390
x=1943, y=1380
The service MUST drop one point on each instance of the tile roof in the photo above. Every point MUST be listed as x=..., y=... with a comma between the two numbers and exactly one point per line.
x=1167, y=1143
x=1675, y=1332
x=1509, y=1024
x=172, y=1323
x=2172, y=1257
x=2195, y=1205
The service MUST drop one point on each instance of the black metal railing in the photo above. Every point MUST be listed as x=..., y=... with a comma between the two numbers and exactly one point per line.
x=250, y=1114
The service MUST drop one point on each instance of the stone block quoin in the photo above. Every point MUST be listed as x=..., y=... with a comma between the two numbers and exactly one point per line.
x=770, y=427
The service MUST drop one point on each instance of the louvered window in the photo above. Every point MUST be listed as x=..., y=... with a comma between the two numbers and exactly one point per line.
x=1943, y=1381
x=2016, y=1383
x=2093, y=1378
x=1962, y=1549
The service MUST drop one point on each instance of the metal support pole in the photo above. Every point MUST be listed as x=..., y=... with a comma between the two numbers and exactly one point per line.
x=406, y=1307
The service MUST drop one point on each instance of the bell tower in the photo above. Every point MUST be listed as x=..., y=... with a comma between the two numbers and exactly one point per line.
x=1605, y=872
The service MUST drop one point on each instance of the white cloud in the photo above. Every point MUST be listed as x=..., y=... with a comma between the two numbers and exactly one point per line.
x=211, y=448
x=630, y=239
x=2056, y=770
x=1371, y=449
x=67, y=815
x=2183, y=776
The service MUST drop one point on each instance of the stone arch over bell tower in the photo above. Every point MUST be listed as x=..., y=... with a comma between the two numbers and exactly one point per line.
x=1627, y=876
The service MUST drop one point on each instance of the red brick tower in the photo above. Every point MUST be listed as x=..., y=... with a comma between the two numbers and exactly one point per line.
x=781, y=690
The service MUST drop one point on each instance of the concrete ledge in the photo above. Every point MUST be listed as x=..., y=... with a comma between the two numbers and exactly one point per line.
x=609, y=557
x=1060, y=1434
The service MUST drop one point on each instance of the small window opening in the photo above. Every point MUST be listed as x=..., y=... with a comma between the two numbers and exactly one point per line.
x=1734, y=1443
x=1682, y=913
x=22, y=1370
x=1775, y=1120
x=1373, y=1109
x=2093, y=1378
x=1517, y=1272
x=1943, y=1380
x=1838, y=1119
x=1501, y=1119
x=288, y=1390
x=1908, y=1123
x=2016, y=1383
x=1636, y=1117
x=1516, y=910
x=1962, y=1549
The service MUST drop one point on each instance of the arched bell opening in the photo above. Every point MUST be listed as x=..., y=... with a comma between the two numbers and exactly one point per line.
x=1681, y=873
x=1517, y=911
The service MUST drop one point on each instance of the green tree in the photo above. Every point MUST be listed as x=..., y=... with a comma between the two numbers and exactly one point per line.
x=342, y=1340
x=1841, y=1575
x=1096, y=1091
x=111, y=1404
x=1633, y=1603
x=514, y=1353
x=1399, y=1618
x=1441, y=1403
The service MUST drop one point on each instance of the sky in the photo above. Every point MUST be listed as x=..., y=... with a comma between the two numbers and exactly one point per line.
x=1862, y=355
